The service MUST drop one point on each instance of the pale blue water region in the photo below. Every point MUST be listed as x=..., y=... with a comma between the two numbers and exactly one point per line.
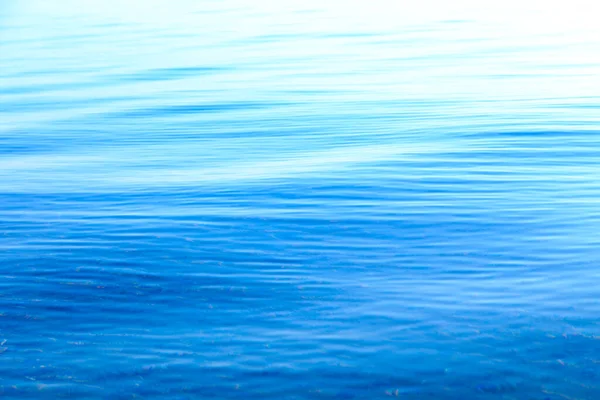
x=299, y=200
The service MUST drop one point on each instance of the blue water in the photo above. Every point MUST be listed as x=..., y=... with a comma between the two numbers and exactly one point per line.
x=299, y=200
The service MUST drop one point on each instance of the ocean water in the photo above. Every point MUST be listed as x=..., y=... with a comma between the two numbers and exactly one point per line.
x=299, y=200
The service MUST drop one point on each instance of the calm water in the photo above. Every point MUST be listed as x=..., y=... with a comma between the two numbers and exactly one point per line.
x=299, y=200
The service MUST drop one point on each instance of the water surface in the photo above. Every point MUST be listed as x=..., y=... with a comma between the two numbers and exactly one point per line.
x=299, y=200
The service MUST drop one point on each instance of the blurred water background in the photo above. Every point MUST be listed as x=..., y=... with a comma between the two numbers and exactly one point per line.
x=299, y=200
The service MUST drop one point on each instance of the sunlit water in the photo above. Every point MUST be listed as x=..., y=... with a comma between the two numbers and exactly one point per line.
x=299, y=200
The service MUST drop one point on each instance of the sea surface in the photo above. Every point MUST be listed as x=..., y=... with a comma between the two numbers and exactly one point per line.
x=299, y=200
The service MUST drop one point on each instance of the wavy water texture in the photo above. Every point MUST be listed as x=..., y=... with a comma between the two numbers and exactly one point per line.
x=299, y=200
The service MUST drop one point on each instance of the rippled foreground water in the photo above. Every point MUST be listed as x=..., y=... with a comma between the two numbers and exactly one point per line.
x=299, y=200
